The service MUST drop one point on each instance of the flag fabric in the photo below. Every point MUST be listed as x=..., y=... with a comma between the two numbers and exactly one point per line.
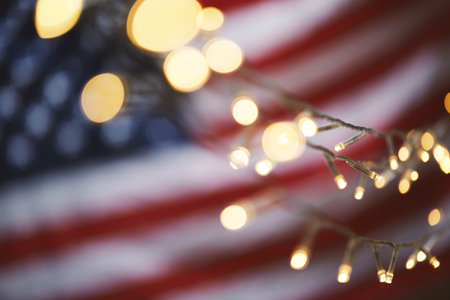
x=130, y=209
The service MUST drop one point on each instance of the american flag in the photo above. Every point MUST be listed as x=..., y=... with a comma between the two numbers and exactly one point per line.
x=130, y=209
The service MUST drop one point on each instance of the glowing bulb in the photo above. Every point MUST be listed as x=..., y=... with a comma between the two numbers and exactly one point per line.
x=344, y=273
x=424, y=156
x=421, y=256
x=404, y=186
x=222, y=55
x=234, y=217
x=239, y=158
x=434, y=217
x=244, y=110
x=410, y=263
x=210, y=19
x=263, y=167
x=282, y=142
x=447, y=102
x=186, y=69
x=434, y=262
x=445, y=165
x=162, y=25
x=359, y=193
x=380, y=182
x=440, y=153
x=307, y=126
x=389, y=277
x=339, y=147
x=300, y=258
x=56, y=17
x=427, y=141
x=404, y=153
x=340, y=181
x=414, y=175
x=381, y=275
x=393, y=162
x=102, y=97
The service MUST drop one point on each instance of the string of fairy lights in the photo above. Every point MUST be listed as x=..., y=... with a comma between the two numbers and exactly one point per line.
x=185, y=35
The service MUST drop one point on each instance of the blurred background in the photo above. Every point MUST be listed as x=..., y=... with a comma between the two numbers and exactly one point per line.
x=129, y=208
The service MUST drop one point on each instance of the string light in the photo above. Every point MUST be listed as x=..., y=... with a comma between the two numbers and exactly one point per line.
x=186, y=69
x=239, y=158
x=404, y=153
x=359, y=192
x=411, y=262
x=427, y=141
x=381, y=272
x=440, y=153
x=263, y=167
x=423, y=155
x=210, y=19
x=244, y=110
x=345, y=144
x=301, y=254
x=447, y=102
x=390, y=272
x=162, y=25
x=434, y=262
x=393, y=161
x=234, y=217
x=338, y=177
x=413, y=175
x=434, y=217
x=327, y=127
x=54, y=18
x=404, y=185
x=384, y=179
x=345, y=269
x=222, y=55
x=102, y=97
x=281, y=142
x=445, y=165
x=306, y=125
x=421, y=256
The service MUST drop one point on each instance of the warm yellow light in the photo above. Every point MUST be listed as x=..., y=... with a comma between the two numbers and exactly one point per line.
x=380, y=182
x=162, y=25
x=434, y=217
x=55, y=17
x=244, y=110
x=389, y=277
x=404, y=185
x=404, y=153
x=340, y=181
x=440, y=153
x=447, y=102
x=410, y=263
x=281, y=142
x=445, y=165
x=300, y=258
x=427, y=141
x=263, y=167
x=381, y=275
x=307, y=126
x=239, y=158
x=339, y=147
x=344, y=273
x=222, y=55
x=421, y=256
x=393, y=162
x=414, y=175
x=186, y=69
x=434, y=262
x=359, y=193
x=210, y=19
x=233, y=217
x=102, y=97
x=424, y=156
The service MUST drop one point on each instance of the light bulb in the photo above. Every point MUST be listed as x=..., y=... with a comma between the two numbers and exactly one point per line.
x=234, y=217
x=307, y=126
x=344, y=273
x=210, y=19
x=239, y=158
x=427, y=141
x=445, y=165
x=434, y=262
x=404, y=185
x=421, y=256
x=393, y=162
x=102, y=97
x=222, y=55
x=434, y=217
x=414, y=175
x=389, y=277
x=186, y=69
x=56, y=17
x=381, y=275
x=162, y=25
x=282, y=142
x=404, y=153
x=339, y=147
x=263, y=167
x=440, y=152
x=380, y=182
x=300, y=258
x=410, y=263
x=423, y=155
x=244, y=110
x=359, y=193
x=340, y=181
